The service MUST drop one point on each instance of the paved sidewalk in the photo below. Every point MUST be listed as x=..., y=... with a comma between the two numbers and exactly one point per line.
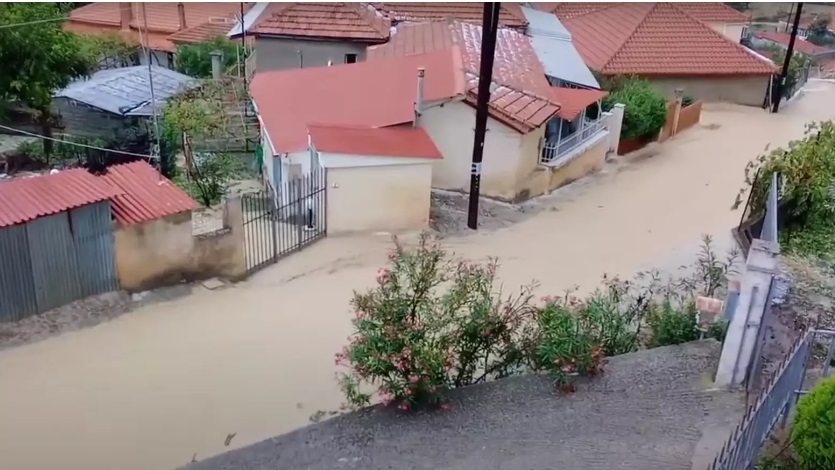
x=647, y=412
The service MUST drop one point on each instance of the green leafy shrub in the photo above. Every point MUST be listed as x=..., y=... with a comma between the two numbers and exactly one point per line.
x=645, y=110
x=565, y=348
x=687, y=100
x=807, y=168
x=813, y=431
x=671, y=324
x=432, y=324
x=195, y=60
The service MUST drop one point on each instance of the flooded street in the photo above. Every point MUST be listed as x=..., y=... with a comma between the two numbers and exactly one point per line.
x=154, y=388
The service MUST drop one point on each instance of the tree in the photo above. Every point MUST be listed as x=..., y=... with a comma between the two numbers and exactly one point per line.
x=818, y=32
x=38, y=58
x=195, y=60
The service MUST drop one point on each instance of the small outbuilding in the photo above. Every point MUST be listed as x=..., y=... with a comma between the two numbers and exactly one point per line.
x=110, y=101
x=378, y=179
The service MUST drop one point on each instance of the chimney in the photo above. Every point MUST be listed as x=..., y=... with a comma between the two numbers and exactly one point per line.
x=419, y=99
x=181, y=14
x=125, y=15
x=216, y=64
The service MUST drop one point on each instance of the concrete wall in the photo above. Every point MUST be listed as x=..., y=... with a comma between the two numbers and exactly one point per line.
x=379, y=198
x=283, y=54
x=588, y=159
x=508, y=155
x=746, y=90
x=729, y=30
x=164, y=252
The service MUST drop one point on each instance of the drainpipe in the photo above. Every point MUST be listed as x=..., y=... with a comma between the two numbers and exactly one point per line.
x=419, y=98
x=216, y=68
x=181, y=14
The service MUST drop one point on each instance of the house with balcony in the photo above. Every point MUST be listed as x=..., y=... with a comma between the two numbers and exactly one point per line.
x=539, y=136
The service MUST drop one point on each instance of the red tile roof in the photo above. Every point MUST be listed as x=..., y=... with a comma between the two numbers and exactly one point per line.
x=162, y=19
x=520, y=95
x=800, y=45
x=657, y=39
x=574, y=100
x=509, y=15
x=323, y=20
x=411, y=142
x=25, y=199
x=368, y=94
x=144, y=193
x=204, y=31
x=709, y=12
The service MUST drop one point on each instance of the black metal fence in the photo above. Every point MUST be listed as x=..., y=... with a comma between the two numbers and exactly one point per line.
x=279, y=223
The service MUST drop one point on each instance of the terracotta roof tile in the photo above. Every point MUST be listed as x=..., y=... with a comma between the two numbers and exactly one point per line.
x=163, y=20
x=161, y=17
x=658, y=39
x=25, y=199
x=800, y=45
x=510, y=15
x=323, y=20
x=713, y=12
x=407, y=142
x=709, y=12
x=367, y=94
x=203, y=32
x=574, y=100
x=521, y=94
x=145, y=195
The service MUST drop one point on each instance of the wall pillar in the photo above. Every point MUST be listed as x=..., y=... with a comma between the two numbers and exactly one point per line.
x=677, y=111
x=751, y=305
x=233, y=219
x=615, y=126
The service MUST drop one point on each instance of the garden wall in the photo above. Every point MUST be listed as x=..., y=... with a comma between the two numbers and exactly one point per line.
x=679, y=119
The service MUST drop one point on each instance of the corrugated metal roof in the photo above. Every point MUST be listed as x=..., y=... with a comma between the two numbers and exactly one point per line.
x=144, y=193
x=552, y=44
x=124, y=91
x=25, y=199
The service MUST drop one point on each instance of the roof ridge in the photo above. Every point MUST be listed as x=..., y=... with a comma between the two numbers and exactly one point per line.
x=596, y=10
x=375, y=20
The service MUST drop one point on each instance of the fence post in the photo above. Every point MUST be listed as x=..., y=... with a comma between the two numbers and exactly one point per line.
x=615, y=126
x=741, y=338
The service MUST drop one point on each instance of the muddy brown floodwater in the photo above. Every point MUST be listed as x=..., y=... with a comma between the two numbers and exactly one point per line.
x=155, y=387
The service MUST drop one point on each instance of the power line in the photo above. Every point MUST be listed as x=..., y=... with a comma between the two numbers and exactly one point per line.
x=77, y=144
x=14, y=25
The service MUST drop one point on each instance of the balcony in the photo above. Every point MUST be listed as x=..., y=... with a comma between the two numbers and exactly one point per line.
x=560, y=151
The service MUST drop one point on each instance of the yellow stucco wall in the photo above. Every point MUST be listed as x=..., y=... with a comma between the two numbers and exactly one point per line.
x=378, y=198
x=544, y=179
x=164, y=252
x=745, y=90
x=451, y=127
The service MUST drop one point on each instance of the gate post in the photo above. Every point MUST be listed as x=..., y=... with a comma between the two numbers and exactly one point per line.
x=742, y=336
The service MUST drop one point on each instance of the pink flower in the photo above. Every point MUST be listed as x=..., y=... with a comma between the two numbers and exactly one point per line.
x=404, y=406
x=445, y=406
x=567, y=369
x=414, y=378
x=383, y=275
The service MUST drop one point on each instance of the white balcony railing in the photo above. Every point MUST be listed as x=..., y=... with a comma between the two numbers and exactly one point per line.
x=552, y=151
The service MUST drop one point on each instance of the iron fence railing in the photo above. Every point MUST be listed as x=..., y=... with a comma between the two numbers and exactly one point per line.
x=743, y=447
x=775, y=403
x=553, y=151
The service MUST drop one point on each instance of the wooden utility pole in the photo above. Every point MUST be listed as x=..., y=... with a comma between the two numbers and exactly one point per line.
x=489, y=31
x=778, y=92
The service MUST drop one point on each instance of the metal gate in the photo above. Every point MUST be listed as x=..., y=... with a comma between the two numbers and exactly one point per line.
x=281, y=223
